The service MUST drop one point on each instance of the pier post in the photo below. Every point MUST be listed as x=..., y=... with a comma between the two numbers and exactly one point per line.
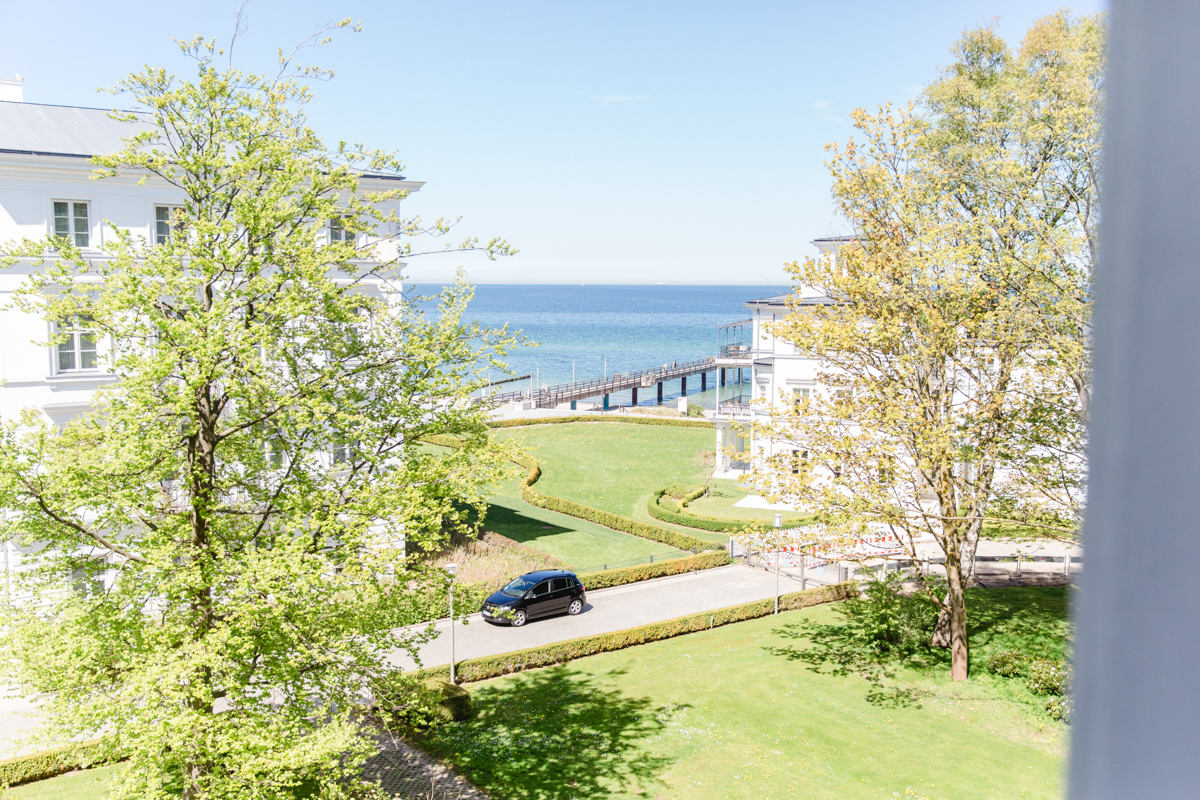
x=633, y=400
x=660, y=393
x=606, y=402
x=703, y=381
x=721, y=376
x=683, y=386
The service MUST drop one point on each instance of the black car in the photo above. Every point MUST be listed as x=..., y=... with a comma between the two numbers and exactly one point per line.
x=536, y=594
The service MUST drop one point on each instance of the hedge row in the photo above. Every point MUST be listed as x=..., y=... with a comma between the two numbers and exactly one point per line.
x=659, y=569
x=676, y=421
x=49, y=763
x=615, y=521
x=690, y=520
x=477, y=669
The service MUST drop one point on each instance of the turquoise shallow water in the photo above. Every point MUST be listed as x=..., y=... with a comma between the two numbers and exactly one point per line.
x=613, y=328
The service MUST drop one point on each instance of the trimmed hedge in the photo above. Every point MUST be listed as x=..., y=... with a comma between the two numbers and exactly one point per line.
x=477, y=669
x=676, y=421
x=49, y=763
x=644, y=572
x=690, y=520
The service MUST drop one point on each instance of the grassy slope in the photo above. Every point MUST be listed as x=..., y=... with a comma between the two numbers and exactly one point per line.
x=722, y=494
x=752, y=711
x=91, y=784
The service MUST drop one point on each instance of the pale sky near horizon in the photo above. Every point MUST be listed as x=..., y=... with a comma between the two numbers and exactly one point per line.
x=615, y=142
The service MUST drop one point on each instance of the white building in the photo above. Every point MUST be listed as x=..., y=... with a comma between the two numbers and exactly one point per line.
x=46, y=188
x=762, y=371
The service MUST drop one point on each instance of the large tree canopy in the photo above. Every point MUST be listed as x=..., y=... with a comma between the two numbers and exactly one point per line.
x=250, y=482
x=955, y=342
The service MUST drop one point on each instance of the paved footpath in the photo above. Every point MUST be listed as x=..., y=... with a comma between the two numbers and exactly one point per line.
x=607, y=610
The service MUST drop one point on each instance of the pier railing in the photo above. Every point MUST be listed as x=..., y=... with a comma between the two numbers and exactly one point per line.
x=619, y=381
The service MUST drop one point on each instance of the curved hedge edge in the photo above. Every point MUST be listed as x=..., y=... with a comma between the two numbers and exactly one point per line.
x=50, y=763
x=477, y=669
x=569, y=507
x=690, y=520
x=678, y=422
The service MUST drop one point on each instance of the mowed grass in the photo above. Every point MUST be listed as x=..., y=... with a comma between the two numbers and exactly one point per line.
x=754, y=710
x=92, y=784
x=720, y=499
x=578, y=543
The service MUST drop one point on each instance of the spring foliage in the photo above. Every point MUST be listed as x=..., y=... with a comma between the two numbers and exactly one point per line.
x=246, y=482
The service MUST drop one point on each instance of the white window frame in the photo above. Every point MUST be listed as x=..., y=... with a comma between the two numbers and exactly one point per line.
x=172, y=230
x=72, y=233
x=74, y=347
x=338, y=233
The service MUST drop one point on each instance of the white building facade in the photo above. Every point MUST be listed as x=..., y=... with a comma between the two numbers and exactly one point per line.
x=46, y=188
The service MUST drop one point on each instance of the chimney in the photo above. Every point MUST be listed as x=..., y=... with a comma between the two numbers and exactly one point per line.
x=12, y=89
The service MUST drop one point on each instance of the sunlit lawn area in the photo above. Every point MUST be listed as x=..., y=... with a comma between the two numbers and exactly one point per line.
x=754, y=710
x=612, y=466
x=89, y=784
x=720, y=499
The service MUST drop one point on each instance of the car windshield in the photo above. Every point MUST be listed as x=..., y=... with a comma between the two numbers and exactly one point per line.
x=518, y=587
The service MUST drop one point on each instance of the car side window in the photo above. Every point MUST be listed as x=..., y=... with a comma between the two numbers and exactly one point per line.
x=559, y=584
x=541, y=589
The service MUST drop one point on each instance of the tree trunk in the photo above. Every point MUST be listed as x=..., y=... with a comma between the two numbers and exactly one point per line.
x=956, y=613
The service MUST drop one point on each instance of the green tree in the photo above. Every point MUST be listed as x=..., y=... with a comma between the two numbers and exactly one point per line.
x=251, y=478
x=953, y=337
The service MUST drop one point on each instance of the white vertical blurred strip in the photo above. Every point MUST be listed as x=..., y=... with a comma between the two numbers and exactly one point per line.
x=1137, y=725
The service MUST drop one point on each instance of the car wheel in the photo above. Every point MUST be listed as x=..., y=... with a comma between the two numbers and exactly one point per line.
x=575, y=607
x=519, y=617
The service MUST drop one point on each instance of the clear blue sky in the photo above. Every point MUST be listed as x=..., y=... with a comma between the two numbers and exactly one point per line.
x=611, y=142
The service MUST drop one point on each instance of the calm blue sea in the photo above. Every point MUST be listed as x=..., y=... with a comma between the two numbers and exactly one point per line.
x=594, y=329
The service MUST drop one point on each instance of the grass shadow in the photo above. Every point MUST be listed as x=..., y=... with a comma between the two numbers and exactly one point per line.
x=837, y=649
x=554, y=734
x=517, y=526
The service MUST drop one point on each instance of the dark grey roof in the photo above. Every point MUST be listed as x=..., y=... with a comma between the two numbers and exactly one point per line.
x=782, y=299
x=41, y=130
x=835, y=239
x=62, y=130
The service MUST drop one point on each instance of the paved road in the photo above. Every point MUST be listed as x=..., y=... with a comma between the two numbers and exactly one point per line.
x=607, y=610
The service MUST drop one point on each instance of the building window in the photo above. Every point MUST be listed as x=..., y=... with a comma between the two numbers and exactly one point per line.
x=344, y=452
x=799, y=462
x=338, y=232
x=71, y=221
x=167, y=223
x=800, y=396
x=78, y=351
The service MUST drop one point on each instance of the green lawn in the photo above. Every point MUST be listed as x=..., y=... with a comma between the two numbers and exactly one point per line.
x=722, y=494
x=579, y=543
x=89, y=784
x=613, y=466
x=754, y=710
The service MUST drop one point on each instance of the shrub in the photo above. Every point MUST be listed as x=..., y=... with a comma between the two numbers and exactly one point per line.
x=695, y=410
x=477, y=669
x=48, y=763
x=1008, y=663
x=1060, y=708
x=415, y=701
x=889, y=622
x=684, y=494
x=659, y=569
x=615, y=521
x=1047, y=676
x=691, y=520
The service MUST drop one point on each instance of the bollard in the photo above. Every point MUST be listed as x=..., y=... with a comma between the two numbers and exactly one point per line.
x=1067, y=565
x=1018, y=563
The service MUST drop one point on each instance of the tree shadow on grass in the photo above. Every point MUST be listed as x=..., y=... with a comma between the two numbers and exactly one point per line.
x=518, y=526
x=555, y=734
x=1033, y=620
x=838, y=649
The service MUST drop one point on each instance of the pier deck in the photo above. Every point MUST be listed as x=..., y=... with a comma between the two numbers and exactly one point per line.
x=551, y=396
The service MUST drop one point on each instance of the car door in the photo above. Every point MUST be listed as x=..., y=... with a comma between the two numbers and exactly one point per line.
x=560, y=594
x=539, y=601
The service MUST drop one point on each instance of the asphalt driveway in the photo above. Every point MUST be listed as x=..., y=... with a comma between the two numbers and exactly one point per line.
x=606, y=610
